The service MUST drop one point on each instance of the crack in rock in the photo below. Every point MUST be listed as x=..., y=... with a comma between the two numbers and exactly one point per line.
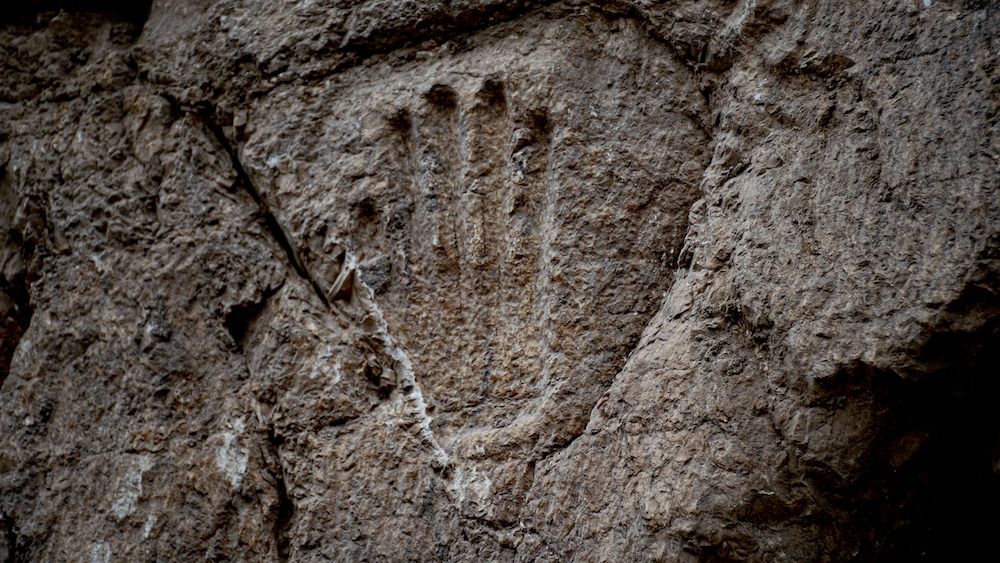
x=410, y=401
x=204, y=111
x=348, y=285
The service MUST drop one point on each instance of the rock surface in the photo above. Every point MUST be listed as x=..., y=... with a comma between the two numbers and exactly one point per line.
x=496, y=280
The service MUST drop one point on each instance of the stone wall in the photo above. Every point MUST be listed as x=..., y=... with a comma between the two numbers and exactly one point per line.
x=497, y=280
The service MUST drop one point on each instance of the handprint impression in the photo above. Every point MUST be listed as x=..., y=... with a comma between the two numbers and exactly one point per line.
x=517, y=229
x=517, y=262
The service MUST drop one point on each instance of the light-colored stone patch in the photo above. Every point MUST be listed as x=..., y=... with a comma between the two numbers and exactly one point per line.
x=471, y=486
x=321, y=368
x=231, y=458
x=130, y=488
x=100, y=552
x=147, y=527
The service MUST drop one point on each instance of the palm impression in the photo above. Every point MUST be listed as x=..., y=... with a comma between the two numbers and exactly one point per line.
x=517, y=228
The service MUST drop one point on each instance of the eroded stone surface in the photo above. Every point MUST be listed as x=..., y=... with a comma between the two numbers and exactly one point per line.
x=488, y=280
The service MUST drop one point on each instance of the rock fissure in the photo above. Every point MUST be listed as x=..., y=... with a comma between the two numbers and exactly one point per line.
x=407, y=390
x=204, y=112
x=284, y=511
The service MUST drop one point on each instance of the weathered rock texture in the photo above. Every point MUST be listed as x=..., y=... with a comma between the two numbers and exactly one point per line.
x=495, y=280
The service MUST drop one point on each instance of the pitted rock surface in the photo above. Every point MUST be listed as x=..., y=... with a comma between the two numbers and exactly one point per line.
x=492, y=280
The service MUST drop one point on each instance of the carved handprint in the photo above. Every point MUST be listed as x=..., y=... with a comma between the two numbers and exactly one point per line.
x=516, y=229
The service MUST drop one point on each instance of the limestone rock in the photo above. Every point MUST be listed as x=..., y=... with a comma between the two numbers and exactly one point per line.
x=496, y=280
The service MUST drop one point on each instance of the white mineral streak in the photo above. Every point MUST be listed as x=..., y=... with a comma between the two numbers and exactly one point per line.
x=100, y=552
x=147, y=527
x=409, y=401
x=130, y=488
x=231, y=458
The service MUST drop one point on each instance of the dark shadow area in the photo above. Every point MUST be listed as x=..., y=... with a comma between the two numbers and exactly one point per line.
x=8, y=541
x=284, y=510
x=953, y=478
x=15, y=316
x=240, y=319
x=940, y=503
x=929, y=484
x=15, y=301
x=24, y=12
